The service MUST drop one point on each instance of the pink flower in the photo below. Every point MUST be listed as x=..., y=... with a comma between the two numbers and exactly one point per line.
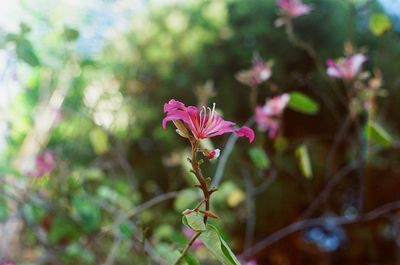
x=259, y=73
x=202, y=124
x=346, y=68
x=268, y=116
x=189, y=234
x=252, y=262
x=294, y=8
x=44, y=164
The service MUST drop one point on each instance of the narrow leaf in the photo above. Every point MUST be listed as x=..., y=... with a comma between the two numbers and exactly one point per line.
x=304, y=161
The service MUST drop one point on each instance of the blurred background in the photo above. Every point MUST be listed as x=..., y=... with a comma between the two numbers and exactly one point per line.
x=89, y=176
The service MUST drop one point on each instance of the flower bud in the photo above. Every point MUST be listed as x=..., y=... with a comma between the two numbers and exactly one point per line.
x=211, y=154
x=181, y=128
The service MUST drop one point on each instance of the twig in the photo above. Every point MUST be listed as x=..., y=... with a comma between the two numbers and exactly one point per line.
x=338, y=138
x=112, y=254
x=228, y=148
x=303, y=224
x=322, y=196
x=186, y=249
x=196, y=170
x=251, y=209
x=266, y=183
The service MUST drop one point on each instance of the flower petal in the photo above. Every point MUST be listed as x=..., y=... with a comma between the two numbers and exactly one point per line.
x=246, y=132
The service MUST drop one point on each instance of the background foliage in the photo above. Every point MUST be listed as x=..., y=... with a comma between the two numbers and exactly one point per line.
x=88, y=82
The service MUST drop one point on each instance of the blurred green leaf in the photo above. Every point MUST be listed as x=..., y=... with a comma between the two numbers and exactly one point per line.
x=377, y=134
x=70, y=34
x=303, y=103
x=24, y=28
x=194, y=221
x=169, y=254
x=280, y=144
x=259, y=157
x=164, y=231
x=379, y=23
x=89, y=214
x=217, y=246
x=62, y=229
x=26, y=53
x=125, y=229
x=304, y=161
x=3, y=209
x=99, y=140
x=78, y=252
x=187, y=198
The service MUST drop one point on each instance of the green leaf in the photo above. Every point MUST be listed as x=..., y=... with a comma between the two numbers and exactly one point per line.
x=62, y=228
x=194, y=221
x=26, y=53
x=379, y=23
x=378, y=134
x=125, y=229
x=99, y=140
x=87, y=212
x=169, y=254
x=217, y=246
x=259, y=157
x=70, y=34
x=190, y=259
x=302, y=103
x=304, y=161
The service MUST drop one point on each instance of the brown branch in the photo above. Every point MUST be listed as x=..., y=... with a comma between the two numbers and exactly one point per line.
x=307, y=223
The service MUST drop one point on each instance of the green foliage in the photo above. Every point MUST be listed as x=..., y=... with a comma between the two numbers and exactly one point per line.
x=259, y=157
x=26, y=52
x=70, y=34
x=99, y=140
x=186, y=199
x=304, y=161
x=379, y=23
x=194, y=221
x=377, y=134
x=302, y=103
x=217, y=246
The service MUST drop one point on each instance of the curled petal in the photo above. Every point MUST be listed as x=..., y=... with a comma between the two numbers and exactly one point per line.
x=246, y=132
x=174, y=104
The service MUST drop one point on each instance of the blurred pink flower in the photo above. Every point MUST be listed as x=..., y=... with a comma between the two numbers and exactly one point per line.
x=44, y=163
x=259, y=73
x=268, y=116
x=189, y=233
x=252, y=262
x=346, y=68
x=294, y=8
x=205, y=123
